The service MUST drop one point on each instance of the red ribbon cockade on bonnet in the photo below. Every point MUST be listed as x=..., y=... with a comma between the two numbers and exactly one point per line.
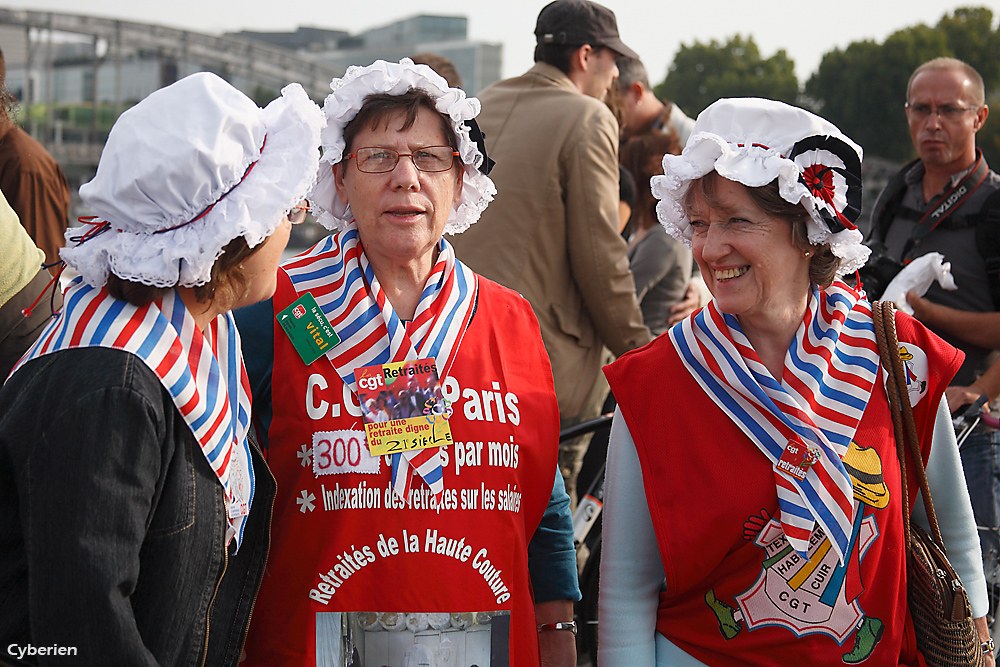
x=831, y=170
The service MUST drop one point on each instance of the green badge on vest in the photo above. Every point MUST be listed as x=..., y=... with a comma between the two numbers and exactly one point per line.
x=308, y=329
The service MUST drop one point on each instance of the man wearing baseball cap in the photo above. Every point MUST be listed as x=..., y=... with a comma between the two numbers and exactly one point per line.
x=552, y=231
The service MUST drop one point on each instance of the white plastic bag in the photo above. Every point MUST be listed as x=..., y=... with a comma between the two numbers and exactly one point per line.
x=918, y=276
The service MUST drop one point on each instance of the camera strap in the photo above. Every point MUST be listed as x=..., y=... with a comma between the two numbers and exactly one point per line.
x=949, y=202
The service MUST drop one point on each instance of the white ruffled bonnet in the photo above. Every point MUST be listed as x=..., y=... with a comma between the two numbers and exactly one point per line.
x=754, y=141
x=381, y=77
x=187, y=170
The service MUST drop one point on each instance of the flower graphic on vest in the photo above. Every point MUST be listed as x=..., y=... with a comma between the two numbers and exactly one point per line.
x=818, y=594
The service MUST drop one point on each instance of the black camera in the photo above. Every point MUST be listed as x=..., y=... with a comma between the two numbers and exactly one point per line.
x=878, y=271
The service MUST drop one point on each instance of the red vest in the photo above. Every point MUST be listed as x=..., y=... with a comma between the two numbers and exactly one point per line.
x=342, y=542
x=736, y=593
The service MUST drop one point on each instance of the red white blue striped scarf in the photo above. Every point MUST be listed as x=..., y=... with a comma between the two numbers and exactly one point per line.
x=829, y=374
x=337, y=274
x=202, y=372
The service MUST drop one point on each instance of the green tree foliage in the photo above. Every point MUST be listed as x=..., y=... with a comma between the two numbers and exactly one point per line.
x=970, y=38
x=862, y=89
x=702, y=73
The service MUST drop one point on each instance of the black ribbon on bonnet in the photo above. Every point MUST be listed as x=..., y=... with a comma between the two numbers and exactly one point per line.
x=477, y=135
x=819, y=179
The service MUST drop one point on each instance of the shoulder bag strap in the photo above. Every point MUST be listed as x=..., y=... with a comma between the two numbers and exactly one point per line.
x=904, y=427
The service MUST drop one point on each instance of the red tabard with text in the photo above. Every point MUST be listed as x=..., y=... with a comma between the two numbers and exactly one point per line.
x=735, y=590
x=343, y=542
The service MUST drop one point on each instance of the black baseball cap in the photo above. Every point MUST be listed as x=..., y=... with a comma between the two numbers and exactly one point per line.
x=579, y=22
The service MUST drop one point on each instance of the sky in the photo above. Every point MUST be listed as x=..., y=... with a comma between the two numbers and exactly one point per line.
x=805, y=30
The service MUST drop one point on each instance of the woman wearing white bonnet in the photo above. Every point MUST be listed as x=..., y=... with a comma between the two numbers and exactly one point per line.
x=754, y=506
x=135, y=504
x=443, y=527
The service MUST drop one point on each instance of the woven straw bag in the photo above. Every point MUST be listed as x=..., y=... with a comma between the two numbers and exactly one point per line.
x=939, y=605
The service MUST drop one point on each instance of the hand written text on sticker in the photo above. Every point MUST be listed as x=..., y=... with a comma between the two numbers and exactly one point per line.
x=403, y=406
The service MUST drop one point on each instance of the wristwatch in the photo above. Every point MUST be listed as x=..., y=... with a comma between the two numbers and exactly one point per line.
x=571, y=626
x=987, y=646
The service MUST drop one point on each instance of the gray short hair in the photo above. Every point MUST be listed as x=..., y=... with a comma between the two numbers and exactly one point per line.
x=631, y=70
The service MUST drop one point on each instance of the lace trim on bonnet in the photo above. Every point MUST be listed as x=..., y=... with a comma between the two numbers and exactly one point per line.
x=347, y=98
x=754, y=142
x=146, y=207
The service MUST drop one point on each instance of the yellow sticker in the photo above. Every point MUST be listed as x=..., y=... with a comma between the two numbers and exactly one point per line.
x=403, y=435
x=403, y=407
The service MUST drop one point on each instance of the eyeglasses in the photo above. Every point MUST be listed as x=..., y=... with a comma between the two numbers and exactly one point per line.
x=947, y=112
x=297, y=214
x=376, y=160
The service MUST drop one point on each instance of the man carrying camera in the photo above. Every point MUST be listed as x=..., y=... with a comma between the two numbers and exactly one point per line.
x=948, y=201
x=937, y=204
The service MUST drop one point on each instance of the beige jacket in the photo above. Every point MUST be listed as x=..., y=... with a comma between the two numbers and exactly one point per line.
x=552, y=232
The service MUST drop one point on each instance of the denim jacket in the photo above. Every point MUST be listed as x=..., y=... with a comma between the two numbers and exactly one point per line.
x=112, y=523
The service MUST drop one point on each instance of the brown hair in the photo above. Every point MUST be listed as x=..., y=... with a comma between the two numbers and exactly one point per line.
x=557, y=55
x=441, y=65
x=631, y=70
x=642, y=156
x=378, y=109
x=560, y=56
x=228, y=283
x=823, y=264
